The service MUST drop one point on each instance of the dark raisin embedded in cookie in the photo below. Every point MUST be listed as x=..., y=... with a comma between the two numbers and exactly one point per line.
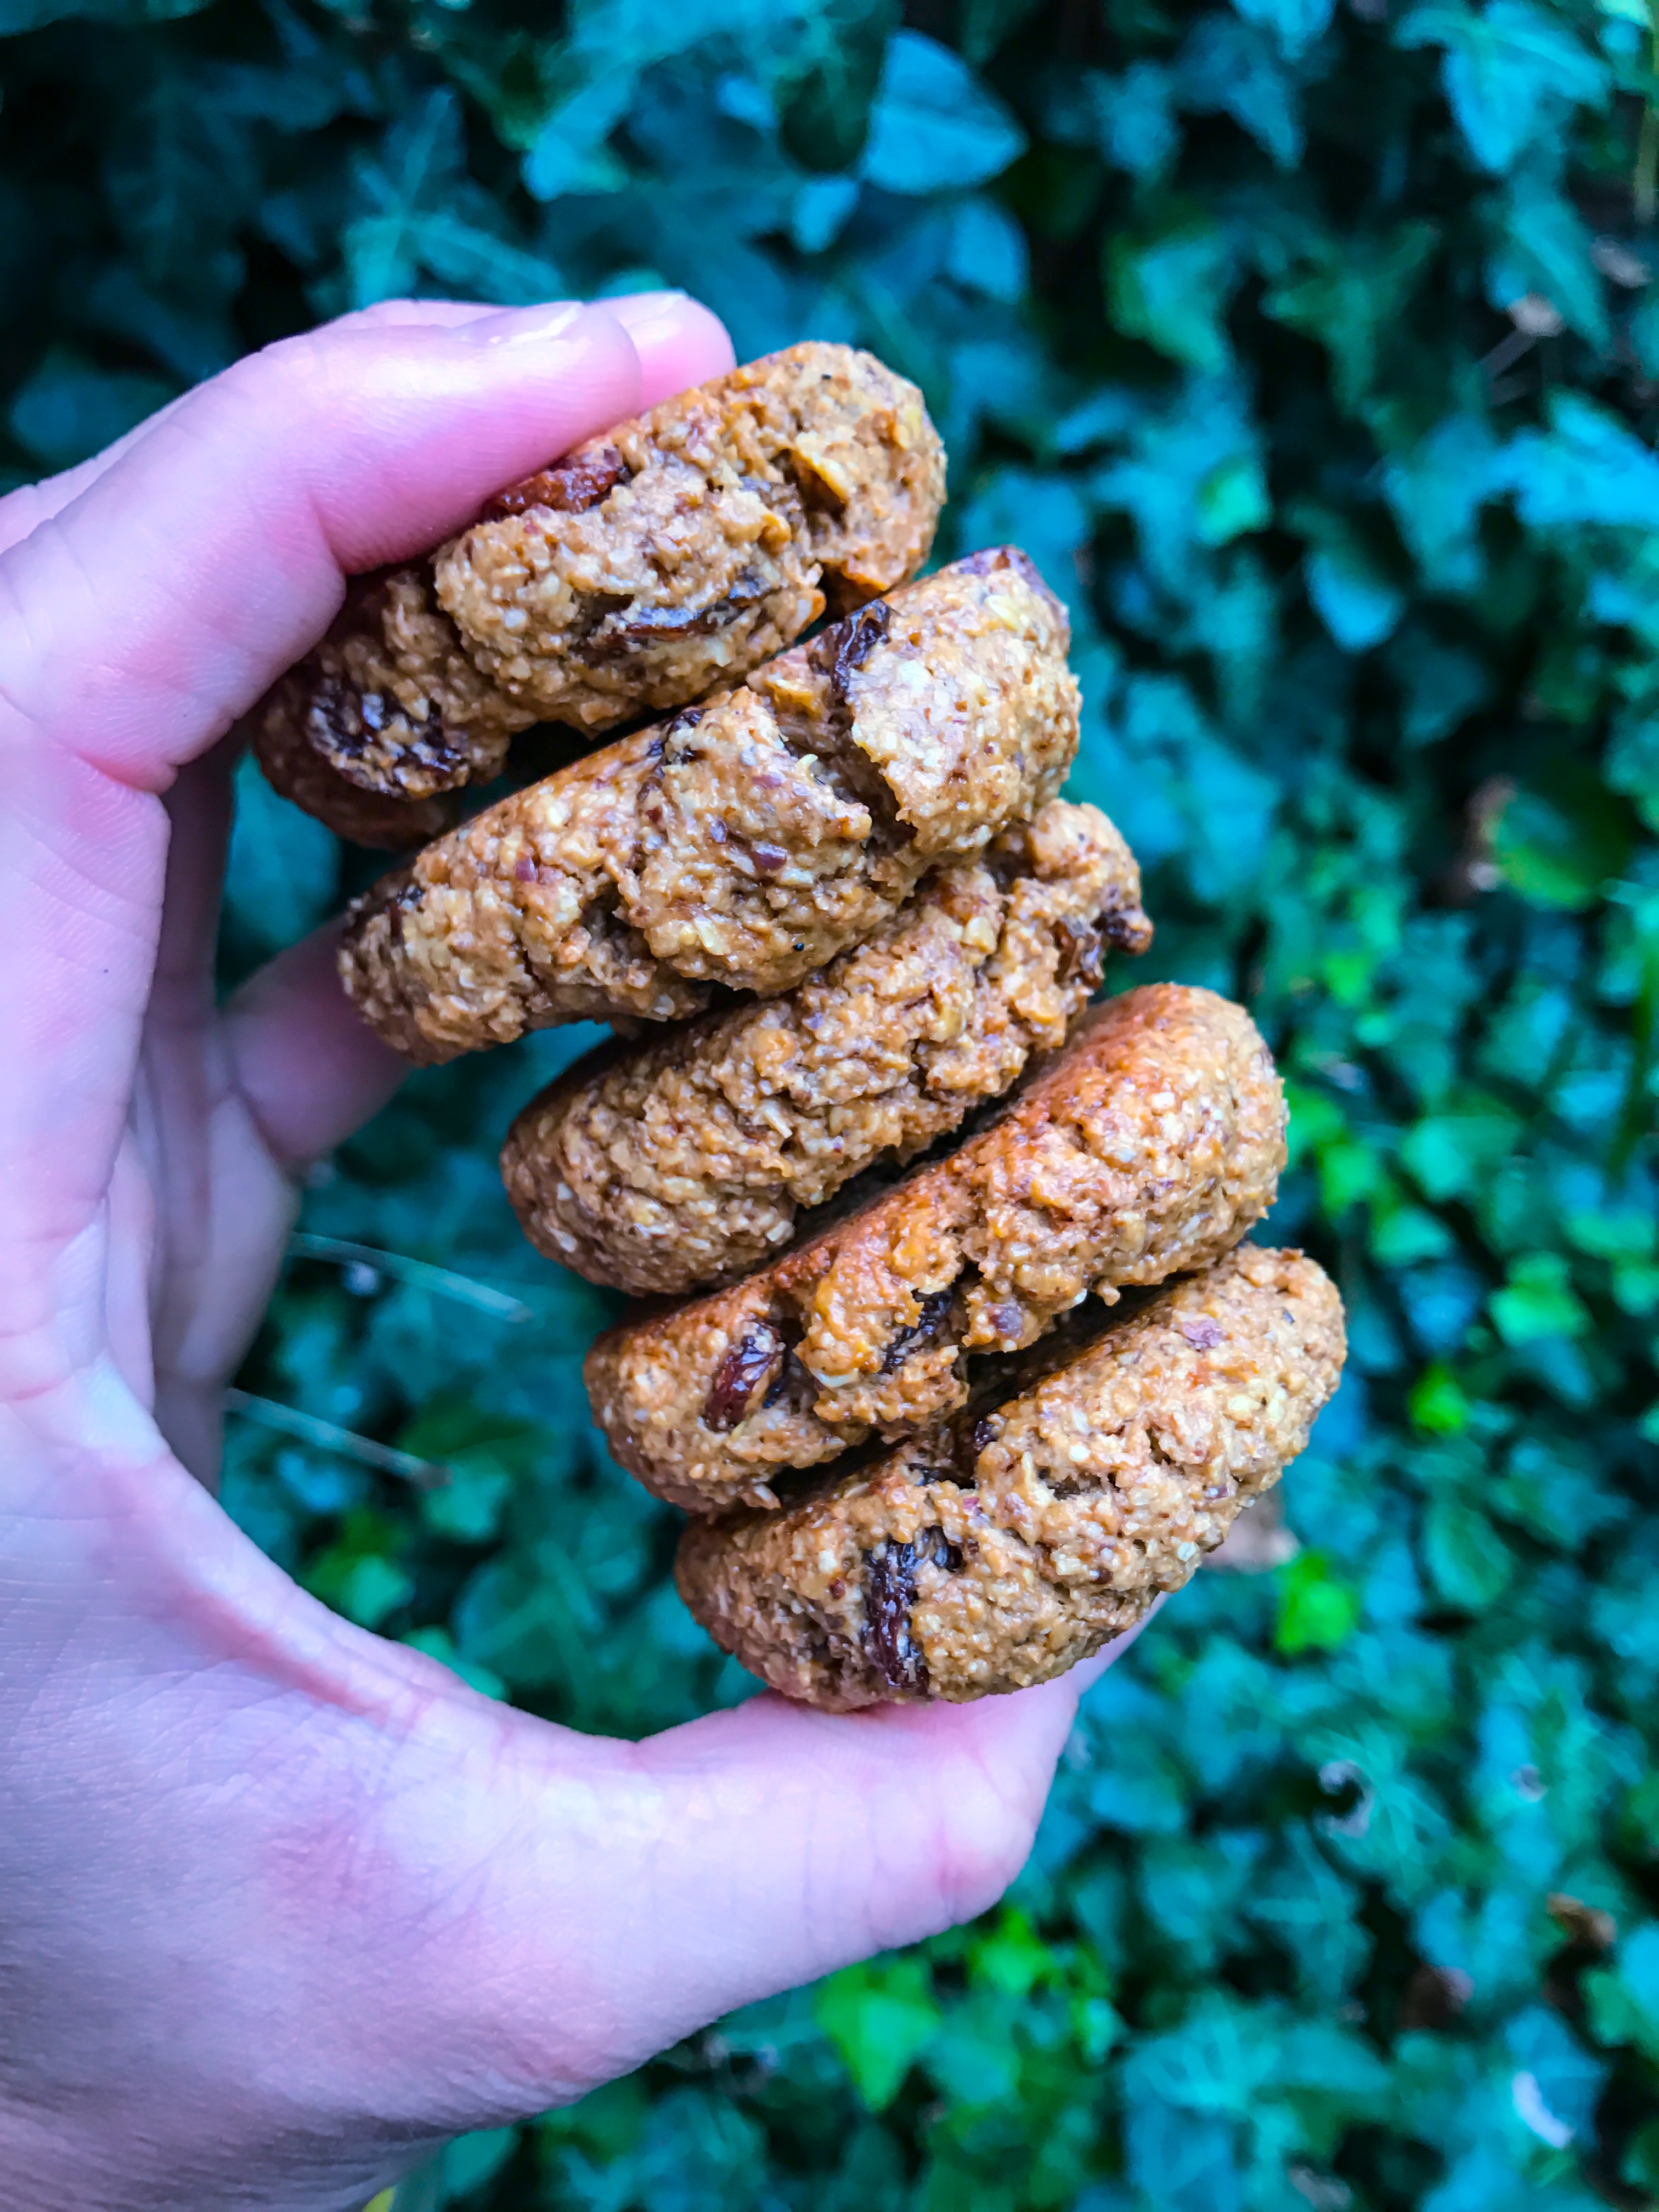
x=1150, y=1144
x=981, y=1558
x=744, y=846
x=672, y=553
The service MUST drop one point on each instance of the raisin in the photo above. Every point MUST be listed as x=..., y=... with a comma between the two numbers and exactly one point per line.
x=751, y=1364
x=646, y=624
x=569, y=488
x=990, y=558
x=932, y=1310
x=889, y=1594
x=1201, y=1332
x=844, y=649
x=1127, y=929
x=1081, y=952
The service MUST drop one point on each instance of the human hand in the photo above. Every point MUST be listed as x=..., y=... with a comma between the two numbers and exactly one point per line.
x=282, y=1905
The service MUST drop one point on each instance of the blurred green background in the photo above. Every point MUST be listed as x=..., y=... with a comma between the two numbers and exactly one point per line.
x=1313, y=352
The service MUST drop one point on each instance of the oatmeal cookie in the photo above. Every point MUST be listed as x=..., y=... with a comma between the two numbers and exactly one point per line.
x=682, y=1160
x=294, y=766
x=672, y=553
x=744, y=843
x=997, y=1550
x=1148, y=1145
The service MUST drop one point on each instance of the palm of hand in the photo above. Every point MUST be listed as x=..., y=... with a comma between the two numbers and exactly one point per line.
x=280, y=1903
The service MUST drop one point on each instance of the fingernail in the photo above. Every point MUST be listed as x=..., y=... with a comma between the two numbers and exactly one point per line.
x=648, y=317
x=524, y=326
x=631, y=307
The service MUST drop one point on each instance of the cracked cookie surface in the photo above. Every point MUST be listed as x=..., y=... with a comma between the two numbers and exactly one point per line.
x=671, y=1163
x=1150, y=1144
x=744, y=843
x=680, y=550
x=672, y=553
x=999, y=1549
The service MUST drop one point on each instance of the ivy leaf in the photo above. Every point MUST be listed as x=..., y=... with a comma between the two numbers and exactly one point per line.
x=1172, y=287
x=1468, y=1562
x=569, y=153
x=1624, y=2000
x=1135, y=118
x=1435, y=489
x=1543, y=249
x=1359, y=607
x=1539, y=1301
x=1586, y=468
x=1352, y=302
x=1504, y=69
x=880, y=2018
x=283, y=871
x=69, y=409
x=1453, y=1152
x=1228, y=68
x=1294, y=25
x=825, y=115
x=933, y=126
x=1318, y=1610
x=1561, y=846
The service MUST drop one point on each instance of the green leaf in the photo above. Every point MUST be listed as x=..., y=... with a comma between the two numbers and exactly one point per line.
x=1352, y=303
x=1358, y=607
x=1468, y=1562
x=1623, y=2000
x=569, y=154
x=282, y=871
x=1318, y=1610
x=1009, y=1956
x=880, y=2018
x=1632, y=762
x=1537, y=1300
x=1294, y=25
x=1439, y=1402
x=1505, y=69
x=1229, y=68
x=933, y=127
x=1562, y=847
x=68, y=409
x=1451, y=1154
x=826, y=115
x=473, y=2161
x=1172, y=289
x=1134, y=121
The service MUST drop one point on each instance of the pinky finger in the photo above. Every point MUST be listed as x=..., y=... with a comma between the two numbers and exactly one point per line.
x=309, y=1069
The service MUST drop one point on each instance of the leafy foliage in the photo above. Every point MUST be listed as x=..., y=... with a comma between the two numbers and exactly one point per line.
x=1313, y=355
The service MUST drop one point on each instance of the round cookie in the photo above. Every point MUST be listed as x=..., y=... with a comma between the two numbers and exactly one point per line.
x=674, y=553
x=991, y=1553
x=682, y=1160
x=743, y=843
x=1150, y=1144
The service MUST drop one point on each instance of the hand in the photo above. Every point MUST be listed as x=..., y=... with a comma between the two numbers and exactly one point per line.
x=281, y=1905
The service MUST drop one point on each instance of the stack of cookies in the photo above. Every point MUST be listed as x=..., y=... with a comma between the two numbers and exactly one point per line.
x=861, y=1140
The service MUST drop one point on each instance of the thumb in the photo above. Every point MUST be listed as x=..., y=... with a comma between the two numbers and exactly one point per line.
x=141, y=619
x=138, y=622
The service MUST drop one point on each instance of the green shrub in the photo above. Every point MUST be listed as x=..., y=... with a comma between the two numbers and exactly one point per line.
x=1314, y=356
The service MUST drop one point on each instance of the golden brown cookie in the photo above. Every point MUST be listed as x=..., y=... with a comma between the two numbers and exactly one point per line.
x=674, y=553
x=1150, y=1144
x=997, y=1550
x=680, y=1160
x=743, y=843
